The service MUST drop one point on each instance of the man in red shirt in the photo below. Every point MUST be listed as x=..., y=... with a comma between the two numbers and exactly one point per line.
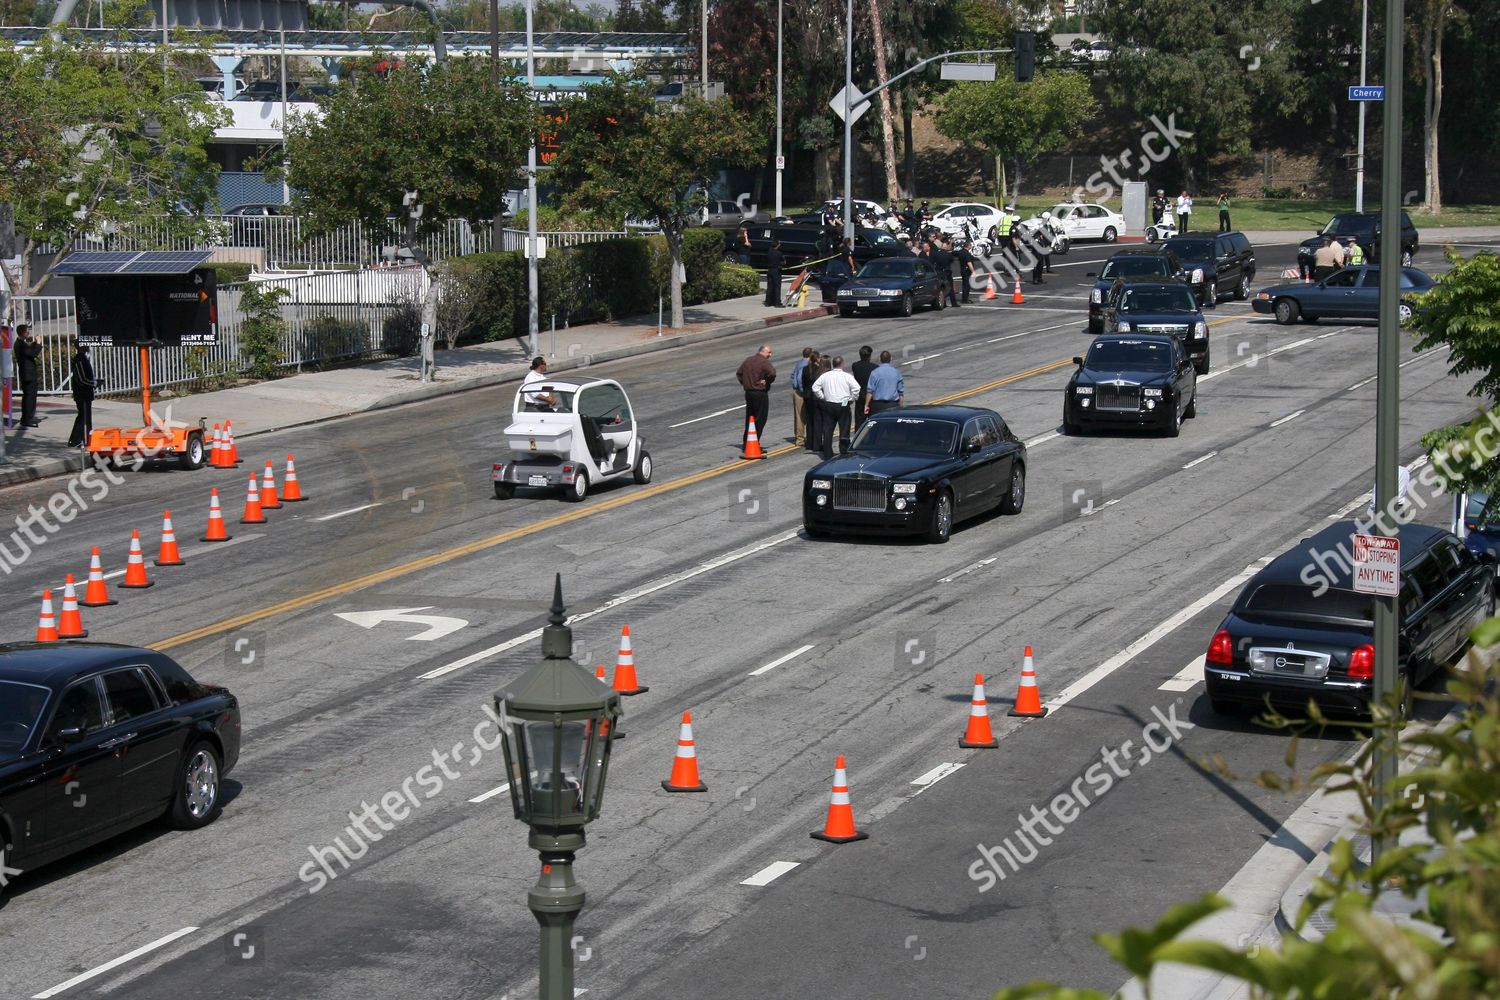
x=755, y=375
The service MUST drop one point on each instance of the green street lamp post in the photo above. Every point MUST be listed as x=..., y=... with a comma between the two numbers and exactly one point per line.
x=557, y=724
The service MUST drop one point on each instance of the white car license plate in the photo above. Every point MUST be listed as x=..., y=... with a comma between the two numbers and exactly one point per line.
x=537, y=481
x=863, y=303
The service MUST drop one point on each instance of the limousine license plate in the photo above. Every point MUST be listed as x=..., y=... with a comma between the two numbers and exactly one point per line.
x=863, y=303
x=537, y=481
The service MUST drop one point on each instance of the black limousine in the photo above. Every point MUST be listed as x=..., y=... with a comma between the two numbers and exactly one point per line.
x=97, y=738
x=918, y=470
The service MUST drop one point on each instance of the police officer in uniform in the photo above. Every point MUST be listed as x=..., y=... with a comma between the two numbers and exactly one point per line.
x=1355, y=255
x=942, y=261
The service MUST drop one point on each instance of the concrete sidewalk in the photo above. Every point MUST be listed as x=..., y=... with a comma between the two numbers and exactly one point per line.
x=310, y=397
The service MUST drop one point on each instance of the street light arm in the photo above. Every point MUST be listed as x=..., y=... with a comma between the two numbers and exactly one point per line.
x=933, y=59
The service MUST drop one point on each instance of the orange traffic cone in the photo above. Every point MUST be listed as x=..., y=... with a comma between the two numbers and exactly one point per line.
x=70, y=625
x=291, y=490
x=978, y=735
x=839, y=827
x=215, y=532
x=752, y=442
x=1016, y=298
x=135, y=565
x=604, y=730
x=268, y=499
x=252, y=505
x=216, y=448
x=1028, y=699
x=625, y=681
x=233, y=454
x=989, y=288
x=685, y=764
x=96, y=594
x=168, y=554
x=46, y=626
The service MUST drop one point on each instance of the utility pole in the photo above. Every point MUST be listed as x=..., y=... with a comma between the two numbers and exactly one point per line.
x=1359, y=159
x=704, y=59
x=498, y=222
x=780, y=159
x=849, y=121
x=533, y=316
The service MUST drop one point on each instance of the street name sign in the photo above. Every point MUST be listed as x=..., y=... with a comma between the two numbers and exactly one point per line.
x=1358, y=93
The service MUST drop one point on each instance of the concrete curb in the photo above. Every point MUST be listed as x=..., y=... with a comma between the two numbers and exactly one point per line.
x=46, y=468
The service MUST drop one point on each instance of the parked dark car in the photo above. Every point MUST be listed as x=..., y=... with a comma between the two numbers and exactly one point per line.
x=264, y=90
x=1151, y=305
x=1299, y=631
x=1126, y=263
x=1351, y=293
x=896, y=284
x=97, y=738
x=1365, y=226
x=1481, y=525
x=1217, y=264
x=1131, y=380
x=918, y=470
x=800, y=244
x=245, y=226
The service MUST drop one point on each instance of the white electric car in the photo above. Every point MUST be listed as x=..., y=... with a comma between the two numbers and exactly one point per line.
x=573, y=432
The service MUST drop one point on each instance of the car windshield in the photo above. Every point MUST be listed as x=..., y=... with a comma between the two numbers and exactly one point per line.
x=909, y=434
x=1133, y=355
x=1175, y=298
x=1119, y=267
x=887, y=268
x=1061, y=211
x=529, y=398
x=21, y=708
x=1192, y=249
x=1475, y=513
x=1296, y=600
x=1341, y=224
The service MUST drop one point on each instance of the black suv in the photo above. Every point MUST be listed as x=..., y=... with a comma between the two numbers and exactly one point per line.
x=1364, y=226
x=1128, y=263
x=1299, y=631
x=1217, y=264
x=800, y=244
x=1155, y=305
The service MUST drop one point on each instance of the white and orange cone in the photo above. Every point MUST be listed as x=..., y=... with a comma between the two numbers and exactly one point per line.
x=1028, y=698
x=625, y=679
x=838, y=828
x=268, y=499
x=135, y=565
x=70, y=625
x=216, y=448
x=252, y=504
x=232, y=456
x=685, y=765
x=752, y=442
x=96, y=594
x=46, y=626
x=292, y=491
x=168, y=555
x=215, y=532
x=978, y=735
x=1017, y=298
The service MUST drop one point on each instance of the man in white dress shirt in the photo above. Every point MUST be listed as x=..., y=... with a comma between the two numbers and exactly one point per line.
x=835, y=391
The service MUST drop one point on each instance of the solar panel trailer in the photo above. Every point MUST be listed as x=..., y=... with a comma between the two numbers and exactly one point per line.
x=147, y=300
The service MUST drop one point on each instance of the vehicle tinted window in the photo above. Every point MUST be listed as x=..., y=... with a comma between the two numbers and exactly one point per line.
x=887, y=267
x=1429, y=575
x=1136, y=355
x=994, y=428
x=1241, y=242
x=1344, y=279
x=974, y=434
x=928, y=437
x=180, y=686
x=21, y=707
x=78, y=709
x=1192, y=249
x=1281, y=599
x=1176, y=298
x=603, y=402
x=128, y=695
x=1119, y=267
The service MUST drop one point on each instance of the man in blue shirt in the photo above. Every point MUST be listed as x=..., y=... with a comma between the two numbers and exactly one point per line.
x=887, y=387
x=799, y=400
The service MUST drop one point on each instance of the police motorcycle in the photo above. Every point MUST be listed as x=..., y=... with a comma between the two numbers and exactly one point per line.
x=1056, y=237
x=1165, y=228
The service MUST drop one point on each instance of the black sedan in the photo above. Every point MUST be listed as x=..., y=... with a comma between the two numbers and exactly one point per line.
x=1364, y=227
x=1131, y=380
x=1299, y=631
x=98, y=738
x=1129, y=263
x=893, y=284
x=1352, y=293
x=918, y=470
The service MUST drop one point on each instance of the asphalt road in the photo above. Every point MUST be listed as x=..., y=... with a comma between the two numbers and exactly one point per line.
x=1125, y=541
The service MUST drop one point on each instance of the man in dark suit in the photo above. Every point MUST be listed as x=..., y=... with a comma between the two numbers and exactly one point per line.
x=773, y=274
x=28, y=354
x=84, y=383
x=942, y=260
x=861, y=370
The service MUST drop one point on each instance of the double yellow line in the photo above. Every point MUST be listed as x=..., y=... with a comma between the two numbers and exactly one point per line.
x=556, y=521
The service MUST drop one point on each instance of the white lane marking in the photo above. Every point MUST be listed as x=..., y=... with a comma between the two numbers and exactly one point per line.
x=937, y=774
x=114, y=964
x=924, y=357
x=1186, y=678
x=1091, y=511
x=1372, y=378
x=776, y=663
x=971, y=568
x=1027, y=333
x=1154, y=636
x=1363, y=500
x=771, y=872
x=1043, y=438
x=1255, y=359
x=710, y=416
x=1288, y=418
x=1045, y=309
x=610, y=605
x=346, y=513
x=1200, y=460
x=486, y=796
x=1330, y=333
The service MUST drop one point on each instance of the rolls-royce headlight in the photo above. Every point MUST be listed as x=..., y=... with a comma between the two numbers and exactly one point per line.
x=822, y=484
x=1151, y=392
x=904, y=488
x=900, y=503
x=822, y=500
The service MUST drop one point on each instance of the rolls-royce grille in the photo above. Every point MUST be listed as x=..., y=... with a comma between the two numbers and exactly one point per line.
x=859, y=492
x=1117, y=397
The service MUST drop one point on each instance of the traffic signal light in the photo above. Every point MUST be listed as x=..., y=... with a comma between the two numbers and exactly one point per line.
x=1025, y=56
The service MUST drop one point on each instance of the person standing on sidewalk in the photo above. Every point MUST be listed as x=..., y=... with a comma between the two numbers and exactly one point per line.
x=835, y=390
x=862, y=370
x=1223, y=211
x=84, y=383
x=799, y=400
x=773, y=274
x=755, y=375
x=1184, y=211
x=28, y=354
x=887, y=387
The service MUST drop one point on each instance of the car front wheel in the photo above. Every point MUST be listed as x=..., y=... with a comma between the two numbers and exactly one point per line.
x=1110, y=233
x=643, y=468
x=1286, y=312
x=195, y=801
x=941, y=525
x=1015, y=498
x=1243, y=291
x=1174, y=426
x=1211, y=295
x=907, y=304
x=579, y=488
x=1404, y=310
x=1406, y=258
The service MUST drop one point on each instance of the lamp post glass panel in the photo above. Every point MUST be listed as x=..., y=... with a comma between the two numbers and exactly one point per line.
x=557, y=725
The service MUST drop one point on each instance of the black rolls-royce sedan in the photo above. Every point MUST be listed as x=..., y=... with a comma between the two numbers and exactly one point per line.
x=97, y=738
x=1131, y=380
x=918, y=470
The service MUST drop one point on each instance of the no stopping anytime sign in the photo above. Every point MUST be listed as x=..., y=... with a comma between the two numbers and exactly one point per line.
x=1377, y=565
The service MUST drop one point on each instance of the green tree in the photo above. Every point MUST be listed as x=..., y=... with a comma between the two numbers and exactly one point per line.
x=623, y=151
x=92, y=142
x=1018, y=121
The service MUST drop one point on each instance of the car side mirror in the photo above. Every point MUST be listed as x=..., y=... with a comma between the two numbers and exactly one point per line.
x=1078, y=362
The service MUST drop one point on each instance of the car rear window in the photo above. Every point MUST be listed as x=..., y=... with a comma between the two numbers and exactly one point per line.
x=1192, y=249
x=888, y=267
x=1280, y=600
x=1158, y=298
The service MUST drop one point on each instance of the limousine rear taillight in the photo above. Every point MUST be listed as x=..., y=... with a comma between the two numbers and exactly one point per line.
x=1362, y=661
x=1221, y=649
